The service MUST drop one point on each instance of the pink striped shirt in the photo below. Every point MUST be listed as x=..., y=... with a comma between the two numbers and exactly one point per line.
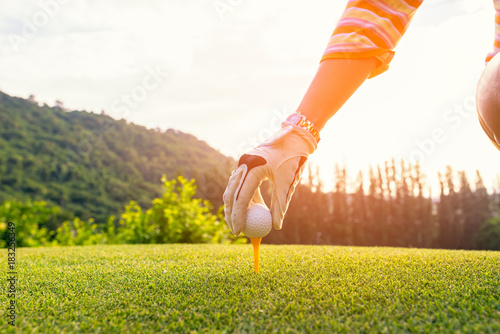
x=373, y=28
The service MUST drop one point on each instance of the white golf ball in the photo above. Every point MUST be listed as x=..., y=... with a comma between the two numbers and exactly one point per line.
x=259, y=222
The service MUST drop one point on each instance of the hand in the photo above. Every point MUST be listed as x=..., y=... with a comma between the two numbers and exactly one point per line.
x=281, y=159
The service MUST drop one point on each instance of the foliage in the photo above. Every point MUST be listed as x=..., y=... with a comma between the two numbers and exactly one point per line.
x=92, y=165
x=134, y=227
x=394, y=208
x=176, y=217
x=181, y=219
x=300, y=289
x=29, y=219
x=80, y=233
x=394, y=212
x=488, y=236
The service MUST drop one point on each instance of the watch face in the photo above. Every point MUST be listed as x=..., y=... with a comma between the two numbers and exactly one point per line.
x=294, y=118
x=301, y=121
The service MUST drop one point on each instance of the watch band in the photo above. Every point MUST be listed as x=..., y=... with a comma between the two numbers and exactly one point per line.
x=302, y=122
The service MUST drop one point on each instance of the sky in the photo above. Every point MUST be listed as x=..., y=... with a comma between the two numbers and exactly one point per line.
x=228, y=71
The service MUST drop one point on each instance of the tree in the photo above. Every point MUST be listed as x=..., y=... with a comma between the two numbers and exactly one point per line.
x=483, y=205
x=359, y=214
x=446, y=210
x=340, y=229
x=59, y=104
x=488, y=236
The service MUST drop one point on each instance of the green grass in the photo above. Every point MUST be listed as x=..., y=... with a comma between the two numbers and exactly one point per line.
x=212, y=288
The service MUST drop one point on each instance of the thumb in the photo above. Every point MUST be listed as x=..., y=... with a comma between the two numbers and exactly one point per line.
x=286, y=178
x=254, y=171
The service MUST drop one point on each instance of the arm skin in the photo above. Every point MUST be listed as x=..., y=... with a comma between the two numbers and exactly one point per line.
x=334, y=83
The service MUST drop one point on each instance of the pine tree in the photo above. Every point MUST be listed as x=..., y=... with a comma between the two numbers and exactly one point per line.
x=359, y=216
x=339, y=232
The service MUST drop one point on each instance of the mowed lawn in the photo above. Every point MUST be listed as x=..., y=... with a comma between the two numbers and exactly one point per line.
x=212, y=288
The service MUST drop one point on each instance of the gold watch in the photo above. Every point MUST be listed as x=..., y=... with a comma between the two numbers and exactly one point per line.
x=302, y=122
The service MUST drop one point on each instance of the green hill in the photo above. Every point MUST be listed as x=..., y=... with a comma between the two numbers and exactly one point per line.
x=91, y=164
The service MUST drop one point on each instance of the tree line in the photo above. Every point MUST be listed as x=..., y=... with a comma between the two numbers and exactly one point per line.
x=82, y=168
x=394, y=208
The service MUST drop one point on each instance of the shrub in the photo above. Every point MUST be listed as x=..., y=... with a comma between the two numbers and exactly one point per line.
x=488, y=236
x=80, y=233
x=30, y=219
x=179, y=218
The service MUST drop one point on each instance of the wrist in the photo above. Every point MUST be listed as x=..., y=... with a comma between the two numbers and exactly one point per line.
x=298, y=120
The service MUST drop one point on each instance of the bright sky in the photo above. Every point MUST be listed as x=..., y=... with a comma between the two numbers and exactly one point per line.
x=228, y=71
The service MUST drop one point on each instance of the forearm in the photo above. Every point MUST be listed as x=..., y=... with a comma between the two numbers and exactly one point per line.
x=334, y=83
x=360, y=47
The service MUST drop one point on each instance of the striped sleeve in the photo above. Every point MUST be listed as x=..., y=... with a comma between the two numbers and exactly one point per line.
x=496, y=43
x=371, y=28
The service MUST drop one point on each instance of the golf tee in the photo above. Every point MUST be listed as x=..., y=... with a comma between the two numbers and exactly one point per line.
x=256, y=243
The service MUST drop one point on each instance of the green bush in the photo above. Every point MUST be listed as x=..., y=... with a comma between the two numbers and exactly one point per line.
x=30, y=219
x=134, y=227
x=179, y=218
x=488, y=236
x=176, y=217
x=80, y=233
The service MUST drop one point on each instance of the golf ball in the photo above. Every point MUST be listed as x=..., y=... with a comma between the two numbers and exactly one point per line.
x=259, y=222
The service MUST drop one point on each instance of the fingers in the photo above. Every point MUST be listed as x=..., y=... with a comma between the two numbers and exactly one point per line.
x=287, y=177
x=229, y=194
x=248, y=190
x=242, y=188
x=281, y=159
